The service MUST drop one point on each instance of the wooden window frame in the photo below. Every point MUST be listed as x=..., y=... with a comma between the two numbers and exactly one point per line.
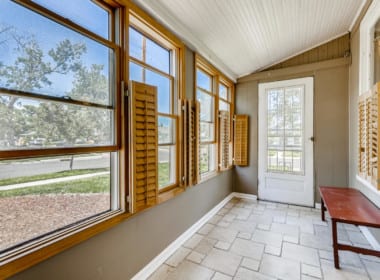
x=158, y=34
x=217, y=78
x=51, y=244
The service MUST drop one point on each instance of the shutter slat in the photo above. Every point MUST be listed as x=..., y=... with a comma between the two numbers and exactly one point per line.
x=191, y=142
x=143, y=146
x=224, y=139
x=241, y=140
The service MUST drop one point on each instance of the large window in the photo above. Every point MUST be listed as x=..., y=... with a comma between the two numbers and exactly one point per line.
x=59, y=118
x=206, y=97
x=215, y=95
x=154, y=60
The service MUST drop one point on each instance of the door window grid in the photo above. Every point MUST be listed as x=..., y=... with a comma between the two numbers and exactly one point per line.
x=285, y=130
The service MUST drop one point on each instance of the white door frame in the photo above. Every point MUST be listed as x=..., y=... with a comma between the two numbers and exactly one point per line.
x=283, y=187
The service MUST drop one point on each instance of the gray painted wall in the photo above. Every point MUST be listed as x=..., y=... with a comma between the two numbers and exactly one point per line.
x=330, y=125
x=119, y=253
x=372, y=194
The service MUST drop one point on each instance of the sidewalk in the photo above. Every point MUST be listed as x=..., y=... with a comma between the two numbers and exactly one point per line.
x=50, y=181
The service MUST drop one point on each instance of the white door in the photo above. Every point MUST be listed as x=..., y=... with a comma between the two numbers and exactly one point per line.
x=286, y=141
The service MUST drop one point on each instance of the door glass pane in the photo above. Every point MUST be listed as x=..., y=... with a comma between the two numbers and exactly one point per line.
x=285, y=130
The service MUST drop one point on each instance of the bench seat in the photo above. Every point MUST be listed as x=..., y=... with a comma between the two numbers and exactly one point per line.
x=346, y=205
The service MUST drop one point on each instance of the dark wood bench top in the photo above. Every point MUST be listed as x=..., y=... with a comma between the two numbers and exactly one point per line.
x=350, y=206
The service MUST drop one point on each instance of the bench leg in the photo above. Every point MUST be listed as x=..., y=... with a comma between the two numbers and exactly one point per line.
x=322, y=210
x=335, y=243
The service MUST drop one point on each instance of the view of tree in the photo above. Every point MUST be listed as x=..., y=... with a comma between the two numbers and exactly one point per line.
x=24, y=122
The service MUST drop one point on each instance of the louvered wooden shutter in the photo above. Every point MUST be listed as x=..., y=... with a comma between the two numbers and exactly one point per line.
x=191, y=141
x=224, y=139
x=241, y=140
x=143, y=145
x=369, y=139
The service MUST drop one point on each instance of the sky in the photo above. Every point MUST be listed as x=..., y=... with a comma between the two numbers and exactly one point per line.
x=48, y=34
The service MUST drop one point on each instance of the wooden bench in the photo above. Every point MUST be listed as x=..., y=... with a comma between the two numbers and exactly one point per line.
x=351, y=207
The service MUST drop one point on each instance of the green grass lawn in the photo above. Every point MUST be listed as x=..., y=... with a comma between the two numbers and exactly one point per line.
x=97, y=184
x=163, y=174
x=67, y=173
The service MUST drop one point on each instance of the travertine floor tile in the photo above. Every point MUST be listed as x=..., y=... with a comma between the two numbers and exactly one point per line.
x=223, y=234
x=264, y=240
x=268, y=238
x=246, y=274
x=300, y=253
x=190, y=271
x=280, y=267
x=250, y=264
x=221, y=276
x=222, y=261
x=178, y=257
x=247, y=248
x=310, y=270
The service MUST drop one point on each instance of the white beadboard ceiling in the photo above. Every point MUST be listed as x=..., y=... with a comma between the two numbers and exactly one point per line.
x=243, y=36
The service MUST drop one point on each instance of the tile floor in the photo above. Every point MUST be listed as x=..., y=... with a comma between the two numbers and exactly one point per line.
x=250, y=239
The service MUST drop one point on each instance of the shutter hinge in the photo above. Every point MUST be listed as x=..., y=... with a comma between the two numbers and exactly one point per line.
x=234, y=119
x=183, y=108
x=124, y=89
x=183, y=179
x=128, y=199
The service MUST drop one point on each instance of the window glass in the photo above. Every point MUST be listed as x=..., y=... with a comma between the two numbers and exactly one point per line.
x=207, y=131
x=203, y=80
x=165, y=130
x=377, y=52
x=58, y=62
x=135, y=44
x=157, y=56
x=166, y=166
x=150, y=64
x=47, y=194
x=223, y=92
x=163, y=90
x=207, y=158
x=94, y=18
x=34, y=124
x=206, y=106
x=224, y=106
x=55, y=93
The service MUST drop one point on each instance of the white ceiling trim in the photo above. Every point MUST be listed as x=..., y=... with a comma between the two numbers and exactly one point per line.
x=189, y=39
x=357, y=15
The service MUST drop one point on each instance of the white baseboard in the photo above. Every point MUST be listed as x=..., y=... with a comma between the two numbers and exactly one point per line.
x=244, y=195
x=317, y=206
x=176, y=244
x=370, y=238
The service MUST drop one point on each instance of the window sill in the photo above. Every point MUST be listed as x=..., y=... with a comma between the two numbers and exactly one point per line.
x=368, y=185
x=164, y=196
x=31, y=255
